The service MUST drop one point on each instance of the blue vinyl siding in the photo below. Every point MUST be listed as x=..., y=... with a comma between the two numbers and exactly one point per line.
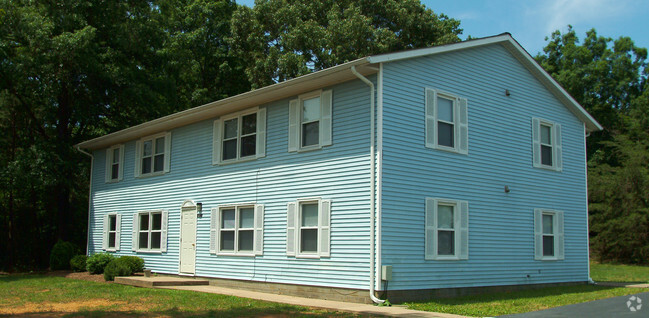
x=501, y=232
x=339, y=172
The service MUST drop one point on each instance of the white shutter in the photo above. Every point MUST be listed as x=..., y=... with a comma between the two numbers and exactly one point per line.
x=216, y=142
x=559, y=248
x=134, y=238
x=259, y=229
x=326, y=106
x=536, y=142
x=464, y=230
x=163, y=236
x=558, y=158
x=138, y=158
x=104, y=242
x=431, y=103
x=293, y=123
x=430, y=224
x=325, y=228
x=290, y=228
x=118, y=231
x=167, y=152
x=463, y=127
x=121, y=163
x=538, y=234
x=213, y=230
x=109, y=154
x=261, y=133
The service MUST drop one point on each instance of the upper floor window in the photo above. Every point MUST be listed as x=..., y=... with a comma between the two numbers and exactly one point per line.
x=310, y=121
x=150, y=231
x=115, y=163
x=546, y=144
x=447, y=229
x=308, y=228
x=237, y=230
x=548, y=235
x=447, y=125
x=111, y=232
x=239, y=136
x=152, y=155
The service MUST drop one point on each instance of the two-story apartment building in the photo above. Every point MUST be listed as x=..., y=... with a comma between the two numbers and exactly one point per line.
x=453, y=166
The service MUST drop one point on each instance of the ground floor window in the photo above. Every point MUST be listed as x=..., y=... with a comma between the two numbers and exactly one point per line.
x=446, y=229
x=150, y=231
x=548, y=235
x=308, y=228
x=111, y=232
x=237, y=230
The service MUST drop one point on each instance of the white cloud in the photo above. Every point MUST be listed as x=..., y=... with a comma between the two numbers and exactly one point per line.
x=557, y=14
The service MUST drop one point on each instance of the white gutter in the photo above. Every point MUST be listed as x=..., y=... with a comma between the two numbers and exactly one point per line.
x=379, y=168
x=372, y=185
x=92, y=164
x=586, y=134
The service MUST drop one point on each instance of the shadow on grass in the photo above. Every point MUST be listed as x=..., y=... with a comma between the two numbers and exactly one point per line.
x=279, y=311
x=518, y=294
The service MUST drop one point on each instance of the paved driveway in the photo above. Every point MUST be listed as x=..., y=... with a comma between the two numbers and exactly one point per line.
x=609, y=308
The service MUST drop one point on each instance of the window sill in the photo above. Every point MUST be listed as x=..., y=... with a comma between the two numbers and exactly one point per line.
x=308, y=256
x=548, y=258
x=148, y=175
x=447, y=149
x=251, y=254
x=444, y=258
x=114, y=181
x=549, y=168
x=149, y=251
x=234, y=161
x=111, y=250
x=309, y=148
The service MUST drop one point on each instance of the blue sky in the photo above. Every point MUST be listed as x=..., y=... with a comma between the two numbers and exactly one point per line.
x=531, y=21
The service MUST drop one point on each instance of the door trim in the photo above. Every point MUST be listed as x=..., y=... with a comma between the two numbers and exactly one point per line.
x=186, y=204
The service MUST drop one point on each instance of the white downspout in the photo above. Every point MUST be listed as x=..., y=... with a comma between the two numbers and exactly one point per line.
x=372, y=185
x=586, y=135
x=92, y=165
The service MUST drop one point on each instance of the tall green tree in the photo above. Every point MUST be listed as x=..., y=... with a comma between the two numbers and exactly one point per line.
x=609, y=78
x=289, y=38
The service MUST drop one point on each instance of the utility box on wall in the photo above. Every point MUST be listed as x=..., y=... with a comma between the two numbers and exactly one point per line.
x=386, y=272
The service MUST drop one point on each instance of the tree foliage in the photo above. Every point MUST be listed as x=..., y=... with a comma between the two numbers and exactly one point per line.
x=289, y=38
x=72, y=70
x=609, y=78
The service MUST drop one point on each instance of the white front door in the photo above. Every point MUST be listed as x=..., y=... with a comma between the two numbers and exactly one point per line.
x=188, y=240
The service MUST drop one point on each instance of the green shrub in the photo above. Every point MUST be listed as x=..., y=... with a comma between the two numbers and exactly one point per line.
x=117, y=267
x=78, y=263
x=97, y=262
x=61, y=254
x=135, y=263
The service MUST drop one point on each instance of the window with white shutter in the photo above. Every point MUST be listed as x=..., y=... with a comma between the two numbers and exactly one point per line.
x=548, y=235
x=111, y=232
x=310, y=121
x=152, y=155
x=115, y=163
x=308, y=231
x=446, y=121
x=239, y=137
x=237, y=230
x=546, y=145
x=446, y=229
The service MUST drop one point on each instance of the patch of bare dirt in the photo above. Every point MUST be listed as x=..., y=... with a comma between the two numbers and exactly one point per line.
x=74, y=306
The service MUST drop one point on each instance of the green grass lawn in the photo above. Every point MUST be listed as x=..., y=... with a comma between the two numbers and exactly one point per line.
x=32, y=294
x=504, y=303
x=619, y=273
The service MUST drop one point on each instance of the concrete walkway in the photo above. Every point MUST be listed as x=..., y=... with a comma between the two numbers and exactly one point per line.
x=394, y=311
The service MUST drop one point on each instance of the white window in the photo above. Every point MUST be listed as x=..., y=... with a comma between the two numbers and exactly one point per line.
x=152, y=155
x=150, y=231
x=237, y=230
x=308, y=228
x=447, y=122
x=111, y=233
x=115, y=163
x=546, y=144
x=310, y=121
x=548, y=235
x=240, y=136
x=447, y=229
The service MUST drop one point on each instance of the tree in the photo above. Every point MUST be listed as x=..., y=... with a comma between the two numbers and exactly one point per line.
x=609, y=78
x=289, y=38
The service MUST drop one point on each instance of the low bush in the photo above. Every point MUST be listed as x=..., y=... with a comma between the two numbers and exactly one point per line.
x=78, y=263
x=96, y=263
x=135, y=263
x=117, y=267
x=61, y=254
